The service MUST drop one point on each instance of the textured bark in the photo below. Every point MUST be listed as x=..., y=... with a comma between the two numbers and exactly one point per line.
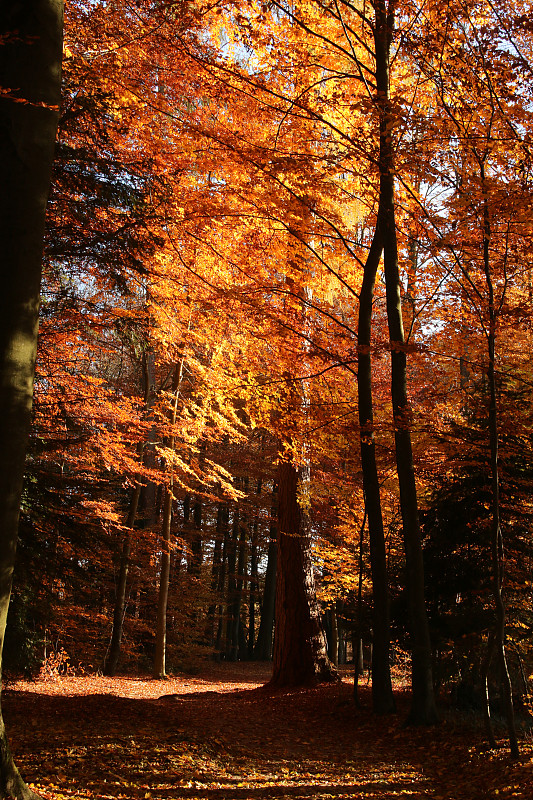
x=300, y=651
x=30, y=77
x=423, y=708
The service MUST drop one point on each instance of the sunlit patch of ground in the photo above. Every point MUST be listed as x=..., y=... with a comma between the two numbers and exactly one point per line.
x=219, y=736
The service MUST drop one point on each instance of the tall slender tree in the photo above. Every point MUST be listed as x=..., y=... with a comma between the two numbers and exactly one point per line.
x=423, y=708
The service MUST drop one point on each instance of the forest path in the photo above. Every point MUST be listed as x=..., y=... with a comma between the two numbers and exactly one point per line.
x=221, y=736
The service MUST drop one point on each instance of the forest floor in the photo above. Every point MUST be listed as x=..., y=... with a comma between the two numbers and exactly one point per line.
x=220, y=736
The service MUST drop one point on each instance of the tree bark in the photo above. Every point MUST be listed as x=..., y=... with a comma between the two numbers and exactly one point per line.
x=423, y=707
x=30, y=79
x=300, y=650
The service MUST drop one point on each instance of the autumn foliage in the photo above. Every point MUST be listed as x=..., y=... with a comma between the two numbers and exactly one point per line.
x=225, y=177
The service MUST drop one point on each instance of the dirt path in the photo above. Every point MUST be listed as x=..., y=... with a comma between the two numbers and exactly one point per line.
x=220, y=736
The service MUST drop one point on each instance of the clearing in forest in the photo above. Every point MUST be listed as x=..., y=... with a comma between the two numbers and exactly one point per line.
x=220, y=736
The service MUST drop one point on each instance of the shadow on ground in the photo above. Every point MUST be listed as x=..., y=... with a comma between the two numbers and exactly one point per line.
x=253, y=743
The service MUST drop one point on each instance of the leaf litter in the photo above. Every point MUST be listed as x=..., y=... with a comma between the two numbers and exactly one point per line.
x=223, y=736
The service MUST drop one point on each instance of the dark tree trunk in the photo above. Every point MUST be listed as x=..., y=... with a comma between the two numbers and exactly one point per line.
x=197, y=544
x=197, y=555
x=159, y=670
x=194, y=534
x=222, y=577
x=423, y=708
x=113, y=654
x=237, y=627
x=254, y=580
x=382, y=696
x=333, y=638
x=231, y=623
x=496, y=538
x=263, y=645
x=30, y=78
x=215, y=572
x=485, y=666
x=139, y=498
x=186, y=529
x=300, y=651
x=357, y=639
x=254, y=587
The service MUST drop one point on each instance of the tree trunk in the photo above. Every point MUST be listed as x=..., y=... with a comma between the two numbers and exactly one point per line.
x=423, y=708
x=254, y=581
x=497, y=542
x=485, y=666
x=113, y=654
x=196, y=544
x=138, y=499
x=382, y=696
x=30, y=77
x=237, y=627
x=159, y=670
x=197, y=555
x=254, y=587
x=357, y=638
x=300, y=651
x=232, y=583
x=333, y=640
x=222, y=577
x=341, y=633
x=215, y=572
x=263, y=645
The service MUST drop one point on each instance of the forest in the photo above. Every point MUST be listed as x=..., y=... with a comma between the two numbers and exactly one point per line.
x=279, y=408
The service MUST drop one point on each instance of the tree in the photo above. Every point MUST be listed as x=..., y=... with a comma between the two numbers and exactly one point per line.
x=300, y=650
x=481, y=227
x=30, y=77
x=263, y=645
x=382, y=697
